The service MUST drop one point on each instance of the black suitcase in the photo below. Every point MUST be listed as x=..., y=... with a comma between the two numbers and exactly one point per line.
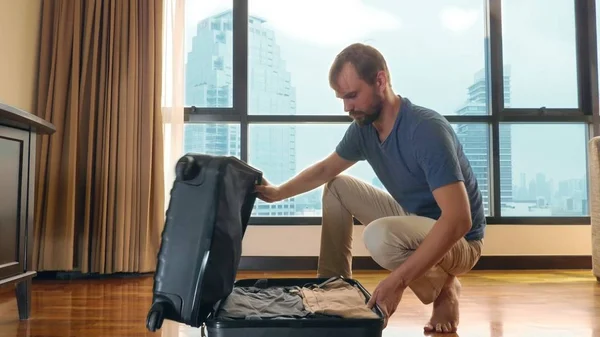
x=211, y=203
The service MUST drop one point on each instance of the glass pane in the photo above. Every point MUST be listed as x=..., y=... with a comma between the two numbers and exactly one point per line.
x=213, y=139
x=282, y=151
x=538, y=38
x=208, y=54
x=441, y=67
x=545, y=164
x=475, y=140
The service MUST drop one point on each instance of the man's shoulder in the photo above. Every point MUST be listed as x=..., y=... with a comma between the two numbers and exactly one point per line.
x=351, y=146
x=427, y=123
x=429, y=134
x=354, y=130
x=419, y=116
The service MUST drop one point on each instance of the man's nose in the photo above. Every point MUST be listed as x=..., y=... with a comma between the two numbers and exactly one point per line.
x=347, y=106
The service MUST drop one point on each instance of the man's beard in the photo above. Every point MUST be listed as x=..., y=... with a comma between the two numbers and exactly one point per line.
x=370, y=116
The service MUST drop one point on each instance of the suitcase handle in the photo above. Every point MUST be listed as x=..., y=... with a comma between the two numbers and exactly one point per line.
x=187, y=168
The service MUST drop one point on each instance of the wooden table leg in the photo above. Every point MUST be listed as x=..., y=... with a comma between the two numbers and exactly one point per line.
x=23, y=291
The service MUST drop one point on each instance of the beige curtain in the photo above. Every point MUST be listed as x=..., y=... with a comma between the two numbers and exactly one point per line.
x=173, y=90
x=100, y=183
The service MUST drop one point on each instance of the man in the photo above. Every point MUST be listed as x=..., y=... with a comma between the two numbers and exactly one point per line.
x=430, y=226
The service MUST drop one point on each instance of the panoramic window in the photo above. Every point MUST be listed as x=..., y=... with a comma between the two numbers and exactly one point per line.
x=439, y=57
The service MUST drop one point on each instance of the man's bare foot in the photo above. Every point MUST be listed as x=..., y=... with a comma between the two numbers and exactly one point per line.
x=445, y=308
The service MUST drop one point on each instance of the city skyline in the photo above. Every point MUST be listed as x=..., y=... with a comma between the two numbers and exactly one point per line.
x=553, y=156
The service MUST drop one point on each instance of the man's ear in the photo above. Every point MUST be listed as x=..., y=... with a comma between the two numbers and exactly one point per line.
x=381, y=81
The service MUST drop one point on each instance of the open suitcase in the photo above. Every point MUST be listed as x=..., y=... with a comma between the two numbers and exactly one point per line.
x=195, y=280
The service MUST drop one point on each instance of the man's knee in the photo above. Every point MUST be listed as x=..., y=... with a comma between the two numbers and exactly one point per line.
x=338, y=190
x=391, y=240
x=379, y=241
x=335, y=184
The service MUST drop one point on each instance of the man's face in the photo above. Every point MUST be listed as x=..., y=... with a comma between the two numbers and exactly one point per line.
x=361, y=101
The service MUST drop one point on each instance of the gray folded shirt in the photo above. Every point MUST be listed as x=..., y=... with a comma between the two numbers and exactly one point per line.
x=263, y=303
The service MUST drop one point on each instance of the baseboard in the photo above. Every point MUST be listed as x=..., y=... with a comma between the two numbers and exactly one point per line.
x=309, y=263
x=529, y=262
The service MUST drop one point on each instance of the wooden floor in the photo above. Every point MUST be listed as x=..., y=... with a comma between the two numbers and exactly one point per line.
x=545, y=303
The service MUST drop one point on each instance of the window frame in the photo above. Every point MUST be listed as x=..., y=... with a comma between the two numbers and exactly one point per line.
x=587, y=111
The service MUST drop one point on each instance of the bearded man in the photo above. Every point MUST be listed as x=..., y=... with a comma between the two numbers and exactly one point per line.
x=428, y=227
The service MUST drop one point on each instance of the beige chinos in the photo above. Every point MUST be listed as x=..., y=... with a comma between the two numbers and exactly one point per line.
x=390, y=236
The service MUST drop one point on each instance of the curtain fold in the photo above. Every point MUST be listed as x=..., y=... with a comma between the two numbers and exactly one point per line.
x=173, y=87
x=100, y=178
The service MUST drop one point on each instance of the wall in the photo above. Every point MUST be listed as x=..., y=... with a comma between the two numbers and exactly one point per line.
x=19, y=35
x=524, y=240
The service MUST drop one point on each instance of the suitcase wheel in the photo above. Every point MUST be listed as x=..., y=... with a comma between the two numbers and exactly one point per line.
x=155, y=317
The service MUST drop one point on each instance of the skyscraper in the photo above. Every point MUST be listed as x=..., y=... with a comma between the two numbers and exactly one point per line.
x=209, y=83
x=476, y=142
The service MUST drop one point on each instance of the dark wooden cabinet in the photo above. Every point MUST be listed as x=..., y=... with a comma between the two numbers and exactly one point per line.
x=18, y=137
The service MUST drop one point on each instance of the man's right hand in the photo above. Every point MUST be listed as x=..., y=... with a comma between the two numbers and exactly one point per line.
x=267, y=192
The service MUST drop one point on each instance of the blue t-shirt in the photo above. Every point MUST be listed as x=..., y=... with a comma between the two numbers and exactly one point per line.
x=421, y=154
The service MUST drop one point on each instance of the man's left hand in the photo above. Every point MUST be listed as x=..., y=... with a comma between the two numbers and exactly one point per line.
x=387, y=296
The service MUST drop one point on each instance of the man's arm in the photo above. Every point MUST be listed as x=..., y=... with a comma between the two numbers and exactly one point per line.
x=452, y=225
x=436, y=152
x=315, y=175
x=346, y=154
x=307, y=180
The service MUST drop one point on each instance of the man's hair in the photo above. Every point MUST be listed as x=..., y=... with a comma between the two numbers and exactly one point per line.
x=367, y=61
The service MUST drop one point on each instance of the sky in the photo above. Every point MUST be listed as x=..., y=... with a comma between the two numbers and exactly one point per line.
x=434, y=49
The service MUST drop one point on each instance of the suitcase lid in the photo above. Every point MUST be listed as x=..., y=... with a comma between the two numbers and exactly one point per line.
x=228, y=189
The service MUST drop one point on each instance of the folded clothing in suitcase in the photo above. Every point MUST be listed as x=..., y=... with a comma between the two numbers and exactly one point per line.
x=295, y=307
x=195, y=280
x=334, y=298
